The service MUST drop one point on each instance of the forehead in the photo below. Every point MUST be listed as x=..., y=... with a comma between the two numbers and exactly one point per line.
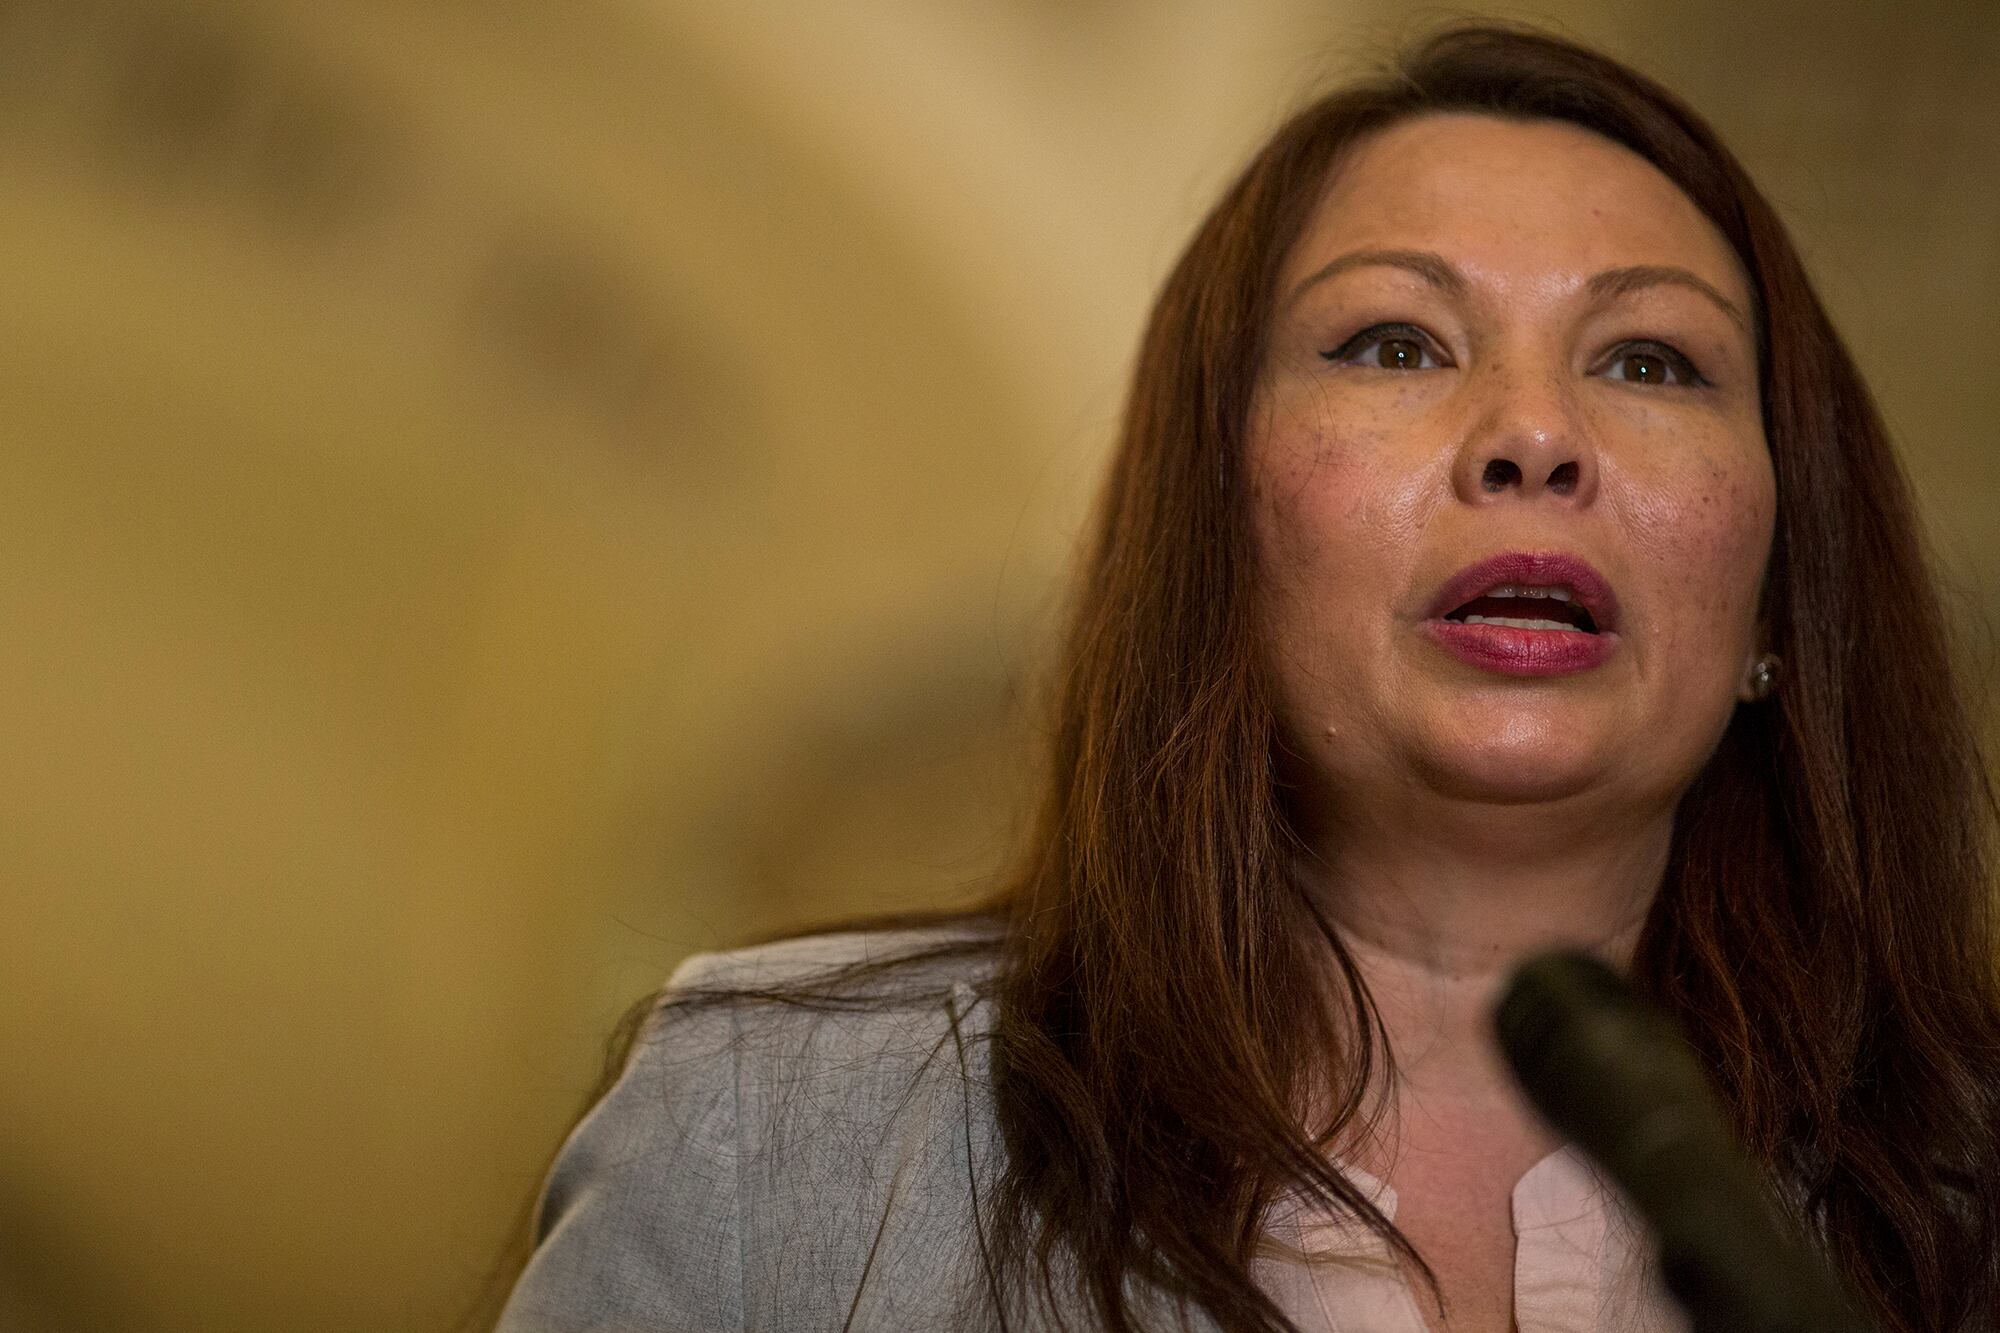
x=1510, y=202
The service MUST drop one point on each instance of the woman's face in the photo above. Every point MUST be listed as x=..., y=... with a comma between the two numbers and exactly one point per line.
x=1514, y=341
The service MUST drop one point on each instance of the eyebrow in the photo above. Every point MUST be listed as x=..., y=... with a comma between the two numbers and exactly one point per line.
x=1432, y=268
x=1439, y=273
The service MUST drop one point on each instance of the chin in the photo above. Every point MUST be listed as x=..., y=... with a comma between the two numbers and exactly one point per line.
x=1517, y=766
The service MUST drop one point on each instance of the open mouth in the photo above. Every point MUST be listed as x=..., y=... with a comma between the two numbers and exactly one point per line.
x=1523, y=606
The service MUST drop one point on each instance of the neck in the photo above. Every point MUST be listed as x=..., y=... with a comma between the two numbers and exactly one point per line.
x=1437, y=912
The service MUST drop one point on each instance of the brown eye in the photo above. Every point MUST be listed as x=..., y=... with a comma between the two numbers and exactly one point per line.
x=1398, y=354
x=1645, y=367
x=1654, y=363
x=1385, y=347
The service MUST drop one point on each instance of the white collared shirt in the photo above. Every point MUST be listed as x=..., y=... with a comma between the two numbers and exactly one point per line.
x=1582, y=1262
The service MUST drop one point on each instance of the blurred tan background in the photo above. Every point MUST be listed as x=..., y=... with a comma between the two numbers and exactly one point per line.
x=495, y=497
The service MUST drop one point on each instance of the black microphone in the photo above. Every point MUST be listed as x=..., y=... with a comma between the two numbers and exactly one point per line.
x=1614, y=1076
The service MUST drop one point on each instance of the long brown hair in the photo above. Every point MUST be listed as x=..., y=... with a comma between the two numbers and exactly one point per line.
x=1824, y=932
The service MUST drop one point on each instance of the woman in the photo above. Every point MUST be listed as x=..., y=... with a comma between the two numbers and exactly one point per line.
x=1502, y=551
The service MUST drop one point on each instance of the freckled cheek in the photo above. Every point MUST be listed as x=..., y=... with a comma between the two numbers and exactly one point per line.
x=1709, y=541
x=1326, y=510
x=1739, y=534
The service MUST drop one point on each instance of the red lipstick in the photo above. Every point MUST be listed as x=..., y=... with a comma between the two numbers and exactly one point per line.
x=1513, y=651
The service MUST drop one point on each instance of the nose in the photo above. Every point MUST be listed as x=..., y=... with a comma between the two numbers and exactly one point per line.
x=1526, y=441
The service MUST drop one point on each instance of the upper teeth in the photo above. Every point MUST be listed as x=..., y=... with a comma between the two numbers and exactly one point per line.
x=1522, y=624
x=1525, y=590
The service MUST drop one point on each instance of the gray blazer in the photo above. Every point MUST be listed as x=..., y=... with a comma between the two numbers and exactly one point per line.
x=768, y=1167
x=771, y=1168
